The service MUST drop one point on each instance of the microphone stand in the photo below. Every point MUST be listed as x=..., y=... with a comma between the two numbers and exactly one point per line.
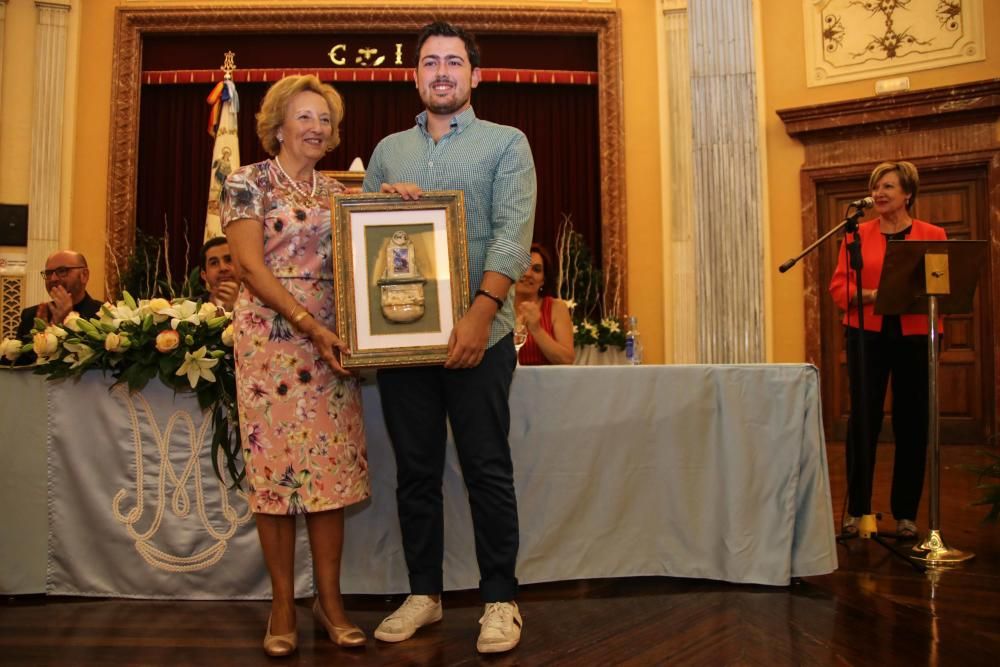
x=867, y=525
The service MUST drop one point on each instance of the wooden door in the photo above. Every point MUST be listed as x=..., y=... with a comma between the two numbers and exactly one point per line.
x=956, y=199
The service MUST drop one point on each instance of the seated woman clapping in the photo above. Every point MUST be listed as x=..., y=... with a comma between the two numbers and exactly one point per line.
x=545, y=317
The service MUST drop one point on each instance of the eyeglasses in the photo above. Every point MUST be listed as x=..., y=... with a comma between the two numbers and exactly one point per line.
x=61, y=272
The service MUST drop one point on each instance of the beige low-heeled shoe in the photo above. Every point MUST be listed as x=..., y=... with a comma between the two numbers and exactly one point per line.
x=348, y=637
x=277, y=646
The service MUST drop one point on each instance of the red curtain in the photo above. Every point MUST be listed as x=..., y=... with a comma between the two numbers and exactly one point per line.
x=174, y=152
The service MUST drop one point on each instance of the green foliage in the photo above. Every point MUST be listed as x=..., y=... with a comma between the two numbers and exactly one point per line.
x=582, y=286
x=991, y=491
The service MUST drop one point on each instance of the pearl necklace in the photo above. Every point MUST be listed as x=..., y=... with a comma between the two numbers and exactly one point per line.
x=295, y=185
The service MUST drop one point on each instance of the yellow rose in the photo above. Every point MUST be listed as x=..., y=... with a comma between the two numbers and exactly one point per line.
x=45, y=343
x=227, y=335
x=167, y=340
x=158, y=308
x=115, y=342
x=158, y=305
x=207, y=311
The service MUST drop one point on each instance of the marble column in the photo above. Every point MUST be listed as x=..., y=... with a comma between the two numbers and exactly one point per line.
x=728, y=232
x=45, y=185
x=683, y=316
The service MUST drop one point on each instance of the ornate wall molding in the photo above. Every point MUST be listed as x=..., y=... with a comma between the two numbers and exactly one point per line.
x=132, y=23
x=831, y=132
x=847, y=40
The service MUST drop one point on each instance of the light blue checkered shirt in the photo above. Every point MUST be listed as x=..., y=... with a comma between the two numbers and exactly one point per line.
x=493, y=166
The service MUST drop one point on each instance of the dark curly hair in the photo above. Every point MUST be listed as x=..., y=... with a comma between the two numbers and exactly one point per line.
x=445, y=29
x=549, y=270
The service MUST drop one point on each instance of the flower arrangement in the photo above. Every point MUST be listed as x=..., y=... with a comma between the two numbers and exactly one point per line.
x=604, y=333
x=187, y=344
x=593, y=302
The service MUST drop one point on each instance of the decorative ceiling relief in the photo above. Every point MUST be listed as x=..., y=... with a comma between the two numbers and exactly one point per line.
x=847, y=40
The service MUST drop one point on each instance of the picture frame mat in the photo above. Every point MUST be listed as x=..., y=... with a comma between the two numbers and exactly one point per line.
x=360, y=220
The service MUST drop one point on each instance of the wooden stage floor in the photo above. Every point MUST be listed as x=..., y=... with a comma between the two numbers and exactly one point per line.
x=875, y=610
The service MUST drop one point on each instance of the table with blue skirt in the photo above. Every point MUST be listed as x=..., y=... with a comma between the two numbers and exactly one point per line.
x=715, y=472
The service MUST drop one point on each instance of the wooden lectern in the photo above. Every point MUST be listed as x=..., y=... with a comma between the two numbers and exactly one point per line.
x=936, y=278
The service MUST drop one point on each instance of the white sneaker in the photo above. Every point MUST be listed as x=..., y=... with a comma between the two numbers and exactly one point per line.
x=415, y=612
x=501, y=629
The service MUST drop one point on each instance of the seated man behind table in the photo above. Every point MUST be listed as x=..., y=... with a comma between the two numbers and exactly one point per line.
x=66, y=275
x=218, y=273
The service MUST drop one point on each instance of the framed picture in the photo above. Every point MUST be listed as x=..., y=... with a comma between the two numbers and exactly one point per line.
x=351, y=179
x=401, y=276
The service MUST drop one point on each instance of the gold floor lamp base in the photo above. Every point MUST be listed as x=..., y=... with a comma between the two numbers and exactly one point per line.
x=933, y=552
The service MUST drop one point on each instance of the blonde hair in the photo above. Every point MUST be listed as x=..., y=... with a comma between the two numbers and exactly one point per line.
x=909, y=179
x=272, y=110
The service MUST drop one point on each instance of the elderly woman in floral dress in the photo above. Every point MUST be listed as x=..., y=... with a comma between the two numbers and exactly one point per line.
x=300, y=411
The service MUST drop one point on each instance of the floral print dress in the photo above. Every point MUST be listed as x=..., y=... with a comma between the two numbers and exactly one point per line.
x=302, y=426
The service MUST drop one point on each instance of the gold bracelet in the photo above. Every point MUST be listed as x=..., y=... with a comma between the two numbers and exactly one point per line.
x=298, y=317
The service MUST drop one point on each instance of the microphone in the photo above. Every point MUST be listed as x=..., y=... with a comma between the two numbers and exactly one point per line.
x=867, y=202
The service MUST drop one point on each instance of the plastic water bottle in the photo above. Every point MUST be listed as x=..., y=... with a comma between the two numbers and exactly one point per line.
x=633, y=343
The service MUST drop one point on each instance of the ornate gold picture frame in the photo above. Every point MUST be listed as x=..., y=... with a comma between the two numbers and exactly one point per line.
x=401, y=276
x=350, y=179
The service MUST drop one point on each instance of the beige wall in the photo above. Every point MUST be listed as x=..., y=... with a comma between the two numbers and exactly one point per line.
x=785, y=86
x=15, y=121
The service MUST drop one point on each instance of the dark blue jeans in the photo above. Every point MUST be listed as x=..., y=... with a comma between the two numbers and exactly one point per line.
x=416, y=403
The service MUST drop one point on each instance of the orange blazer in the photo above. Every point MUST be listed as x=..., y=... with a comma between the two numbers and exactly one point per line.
x=873, y=244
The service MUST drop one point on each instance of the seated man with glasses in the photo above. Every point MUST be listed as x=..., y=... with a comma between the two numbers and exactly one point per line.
x=66, y=275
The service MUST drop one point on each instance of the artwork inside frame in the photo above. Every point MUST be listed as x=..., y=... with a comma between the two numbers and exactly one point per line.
x=401, y=276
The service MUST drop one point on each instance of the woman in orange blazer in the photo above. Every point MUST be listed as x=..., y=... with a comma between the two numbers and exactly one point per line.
x=895, y=347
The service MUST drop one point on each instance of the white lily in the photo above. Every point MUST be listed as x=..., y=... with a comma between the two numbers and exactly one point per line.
x=58, y=331
x=80, y=353
x=196, y=366
x=118, y=314
x=610, y=324
x=184, y=311
x=570, y=303
x=10, y=348
x=70, y=321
